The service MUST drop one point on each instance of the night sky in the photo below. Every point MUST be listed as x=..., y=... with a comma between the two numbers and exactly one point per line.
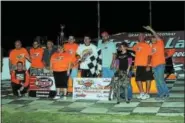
x=26, y=20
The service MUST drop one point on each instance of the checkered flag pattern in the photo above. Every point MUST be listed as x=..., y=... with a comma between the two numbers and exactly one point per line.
x=95, y=63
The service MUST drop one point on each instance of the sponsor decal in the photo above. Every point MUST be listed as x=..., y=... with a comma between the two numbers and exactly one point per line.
x=44, y=82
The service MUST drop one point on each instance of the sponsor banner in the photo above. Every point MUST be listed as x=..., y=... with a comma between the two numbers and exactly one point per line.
x=172, y=40
x=91, y=88
x=42, y=83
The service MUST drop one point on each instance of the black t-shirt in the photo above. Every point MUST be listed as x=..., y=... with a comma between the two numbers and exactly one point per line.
x=123, y=60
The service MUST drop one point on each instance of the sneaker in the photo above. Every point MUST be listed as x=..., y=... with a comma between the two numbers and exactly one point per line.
x=56, y=97
x=147, y=96
x=140, y=96
x=144, y=97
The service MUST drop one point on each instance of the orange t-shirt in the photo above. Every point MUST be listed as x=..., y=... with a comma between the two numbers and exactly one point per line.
x=36, y=57
x=71, y=49
x=169, y=52
x=60, y=61
x=158, y=57
x=142, y=51
x=17, y=55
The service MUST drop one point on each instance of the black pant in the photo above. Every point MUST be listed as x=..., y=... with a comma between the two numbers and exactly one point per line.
x=16, y=87
x=86, y=73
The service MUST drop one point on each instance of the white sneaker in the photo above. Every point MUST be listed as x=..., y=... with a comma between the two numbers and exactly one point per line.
x=144, y=97
x=56, y=97
x=147, y=96
x=140, y=95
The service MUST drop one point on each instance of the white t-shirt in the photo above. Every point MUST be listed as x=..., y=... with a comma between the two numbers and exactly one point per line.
x=85, y=52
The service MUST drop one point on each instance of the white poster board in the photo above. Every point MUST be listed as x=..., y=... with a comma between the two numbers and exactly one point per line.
x=91, y=88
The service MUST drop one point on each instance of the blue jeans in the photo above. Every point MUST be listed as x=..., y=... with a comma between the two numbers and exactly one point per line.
x=107, y=72
x=160, y=82
x=74, y=73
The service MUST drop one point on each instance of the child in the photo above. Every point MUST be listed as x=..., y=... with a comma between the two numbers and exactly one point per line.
x=124, y=61
x=19, y=80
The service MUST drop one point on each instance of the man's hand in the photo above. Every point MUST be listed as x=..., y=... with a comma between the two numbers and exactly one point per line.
x=148, y=68
x=68, y=72
x=128, y=71
x=147, y=27
x=22, y=88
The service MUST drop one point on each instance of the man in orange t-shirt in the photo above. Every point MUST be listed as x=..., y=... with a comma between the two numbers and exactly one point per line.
x=18, y=54
x=158, y=64
x=143, y=69
x=60, y=64
x=36, y=55
x=71, y=48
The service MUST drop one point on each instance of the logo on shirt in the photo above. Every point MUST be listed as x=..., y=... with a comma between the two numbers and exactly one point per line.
x=122, y=57
x=86, y=53
x=59, y=58
x=138, y=49
x=20, y=76
x=35, y=55
x=20, y=56
x=105, y=47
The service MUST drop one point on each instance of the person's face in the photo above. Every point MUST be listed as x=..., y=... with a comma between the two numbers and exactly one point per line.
x=87, y=40
x=35, y=44
x=60, y=49
x=141, y=37
x=18, y=44
x=20, y=66
x=105, y=37
x=154, y=40
x=122, y=48
x=71, y=39
x=49, y=44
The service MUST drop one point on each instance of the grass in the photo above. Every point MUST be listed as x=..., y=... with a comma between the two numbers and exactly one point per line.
x=46, y=117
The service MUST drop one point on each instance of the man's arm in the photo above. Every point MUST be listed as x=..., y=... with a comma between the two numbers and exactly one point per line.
x=27, y=56
x=13, y=78
x=114, y=51
x=152, y=31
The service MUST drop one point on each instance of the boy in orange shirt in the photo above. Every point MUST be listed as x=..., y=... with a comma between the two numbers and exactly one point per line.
x=60, y=65
x=16, y=55
x=19, y=80
x=36, y=54
x=158, y=64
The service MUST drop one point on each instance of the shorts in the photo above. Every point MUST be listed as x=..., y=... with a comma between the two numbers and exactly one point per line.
x=61, y=79
x=143, y=75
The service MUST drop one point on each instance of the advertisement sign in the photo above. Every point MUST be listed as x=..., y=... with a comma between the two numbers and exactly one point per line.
x=42, y=85
x=172, y=40
x=91, y=88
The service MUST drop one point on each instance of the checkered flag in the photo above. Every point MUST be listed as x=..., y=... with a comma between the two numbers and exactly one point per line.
x=95, y=63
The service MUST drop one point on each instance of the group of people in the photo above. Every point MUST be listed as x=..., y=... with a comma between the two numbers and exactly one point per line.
x=67, y=60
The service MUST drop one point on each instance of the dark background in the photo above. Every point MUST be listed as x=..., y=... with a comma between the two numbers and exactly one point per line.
x=26, y=20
